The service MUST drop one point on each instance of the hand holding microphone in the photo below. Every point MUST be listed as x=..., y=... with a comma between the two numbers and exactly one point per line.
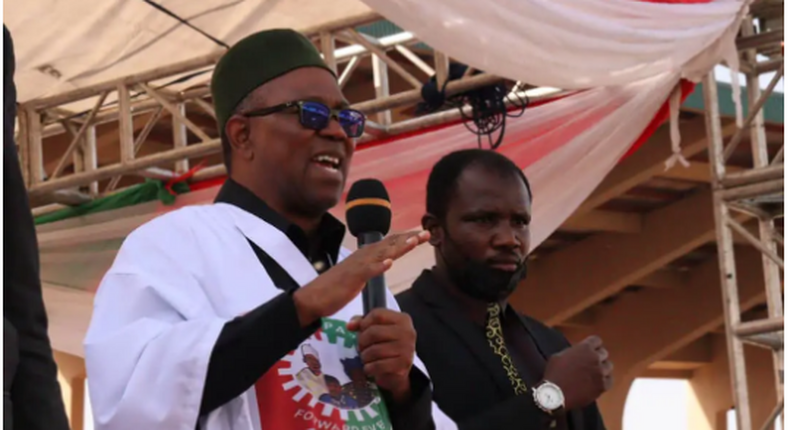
x=386, y=338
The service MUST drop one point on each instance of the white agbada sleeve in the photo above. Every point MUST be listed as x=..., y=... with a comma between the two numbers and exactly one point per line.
x=152, y=332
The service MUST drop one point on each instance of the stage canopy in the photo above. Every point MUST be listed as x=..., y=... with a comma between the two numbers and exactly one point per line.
x=629, y=62
x=64, y=45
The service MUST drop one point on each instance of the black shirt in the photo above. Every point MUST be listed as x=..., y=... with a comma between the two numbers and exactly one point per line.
x=519, y=340
x=241, y=355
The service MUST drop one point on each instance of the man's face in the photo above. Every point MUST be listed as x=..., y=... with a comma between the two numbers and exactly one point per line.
x=335, y=390
x=312, y=363
x=358, y=378
x=286, y=153
x=487, y=221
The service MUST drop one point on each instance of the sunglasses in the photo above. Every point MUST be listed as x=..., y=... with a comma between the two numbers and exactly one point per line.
x=316, y=116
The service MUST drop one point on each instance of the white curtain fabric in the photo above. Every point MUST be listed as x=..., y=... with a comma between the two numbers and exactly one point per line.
x=572, y=44
x=65, y=45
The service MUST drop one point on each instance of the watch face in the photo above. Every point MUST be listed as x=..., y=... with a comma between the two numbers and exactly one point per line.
x=550, y=397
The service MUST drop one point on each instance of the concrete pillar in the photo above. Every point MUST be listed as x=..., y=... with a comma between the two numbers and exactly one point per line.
x=711, y=397
x=612, y=403
x=71, y=376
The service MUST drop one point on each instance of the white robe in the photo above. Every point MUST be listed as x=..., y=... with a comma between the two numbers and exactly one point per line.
x=160, y=308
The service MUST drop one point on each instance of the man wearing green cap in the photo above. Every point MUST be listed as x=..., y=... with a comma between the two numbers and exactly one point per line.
x=205, y=315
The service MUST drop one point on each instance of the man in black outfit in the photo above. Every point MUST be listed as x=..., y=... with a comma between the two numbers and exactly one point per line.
x=491, y=367
x=31, y=394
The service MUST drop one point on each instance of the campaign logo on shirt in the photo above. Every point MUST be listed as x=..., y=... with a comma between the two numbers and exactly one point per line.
x=321, y=385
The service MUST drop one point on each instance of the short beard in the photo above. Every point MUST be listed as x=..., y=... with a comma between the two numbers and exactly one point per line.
x=302, y=207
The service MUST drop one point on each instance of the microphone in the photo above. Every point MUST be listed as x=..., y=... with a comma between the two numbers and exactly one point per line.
x=369, y=216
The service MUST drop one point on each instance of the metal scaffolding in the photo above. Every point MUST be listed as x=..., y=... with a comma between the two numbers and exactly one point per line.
x=145, y=98
x=141, y=99
x=757, y=191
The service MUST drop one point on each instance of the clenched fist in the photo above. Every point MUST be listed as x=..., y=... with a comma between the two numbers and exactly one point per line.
x=583, y=372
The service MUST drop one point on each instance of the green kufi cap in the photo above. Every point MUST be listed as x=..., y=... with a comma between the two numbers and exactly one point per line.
x=255, y=60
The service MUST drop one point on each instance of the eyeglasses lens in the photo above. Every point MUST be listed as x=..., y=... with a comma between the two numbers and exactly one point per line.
x=316, y=116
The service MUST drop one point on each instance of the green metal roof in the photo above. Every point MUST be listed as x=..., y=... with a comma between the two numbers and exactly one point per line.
x=774, y=109
x=384, y=28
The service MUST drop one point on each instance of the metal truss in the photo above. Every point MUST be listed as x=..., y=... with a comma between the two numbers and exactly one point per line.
x=759, y=192
x=143, y=97
x=76, y=177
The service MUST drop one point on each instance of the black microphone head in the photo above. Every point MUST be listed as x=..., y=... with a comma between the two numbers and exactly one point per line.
x=368, y=208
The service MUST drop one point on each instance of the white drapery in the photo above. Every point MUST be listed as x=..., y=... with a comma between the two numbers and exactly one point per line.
x=65, y=45
x=632, y=53
x=573, y=44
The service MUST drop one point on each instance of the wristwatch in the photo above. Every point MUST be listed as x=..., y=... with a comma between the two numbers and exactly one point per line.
x=548, y=397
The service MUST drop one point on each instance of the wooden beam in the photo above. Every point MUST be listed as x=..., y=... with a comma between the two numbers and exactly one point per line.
x=138, y=143
x=381, y=83
x=663, y=278
x=601, y=220
x=667, y=374
x=696, y=172
x=416, y=60
x=648, y=161
x=695, y=354
x=695, y=310
x=91, y=158
x=76, y=139
x=104, y=172
x=176, y=113
x=553, y=293
x=180, y=137
x=328, y=50
x=35, y=147
x=206, y=106
x=348, y=71
x=69, y=197
x=442, y=63
x=582, y=320
x=125, y=124
x=380, y=54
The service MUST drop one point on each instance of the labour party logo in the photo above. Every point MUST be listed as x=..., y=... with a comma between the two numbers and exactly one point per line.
x=321, y=386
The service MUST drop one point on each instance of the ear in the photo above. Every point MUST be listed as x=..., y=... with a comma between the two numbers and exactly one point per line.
x=238, y=133
x=433, y=226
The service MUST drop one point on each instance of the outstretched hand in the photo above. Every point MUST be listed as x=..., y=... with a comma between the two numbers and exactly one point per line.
x=336, y=287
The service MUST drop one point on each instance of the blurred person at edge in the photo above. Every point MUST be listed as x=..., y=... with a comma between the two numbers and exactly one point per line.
x=491, y=367
x=239, y=315
x=31, y=393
